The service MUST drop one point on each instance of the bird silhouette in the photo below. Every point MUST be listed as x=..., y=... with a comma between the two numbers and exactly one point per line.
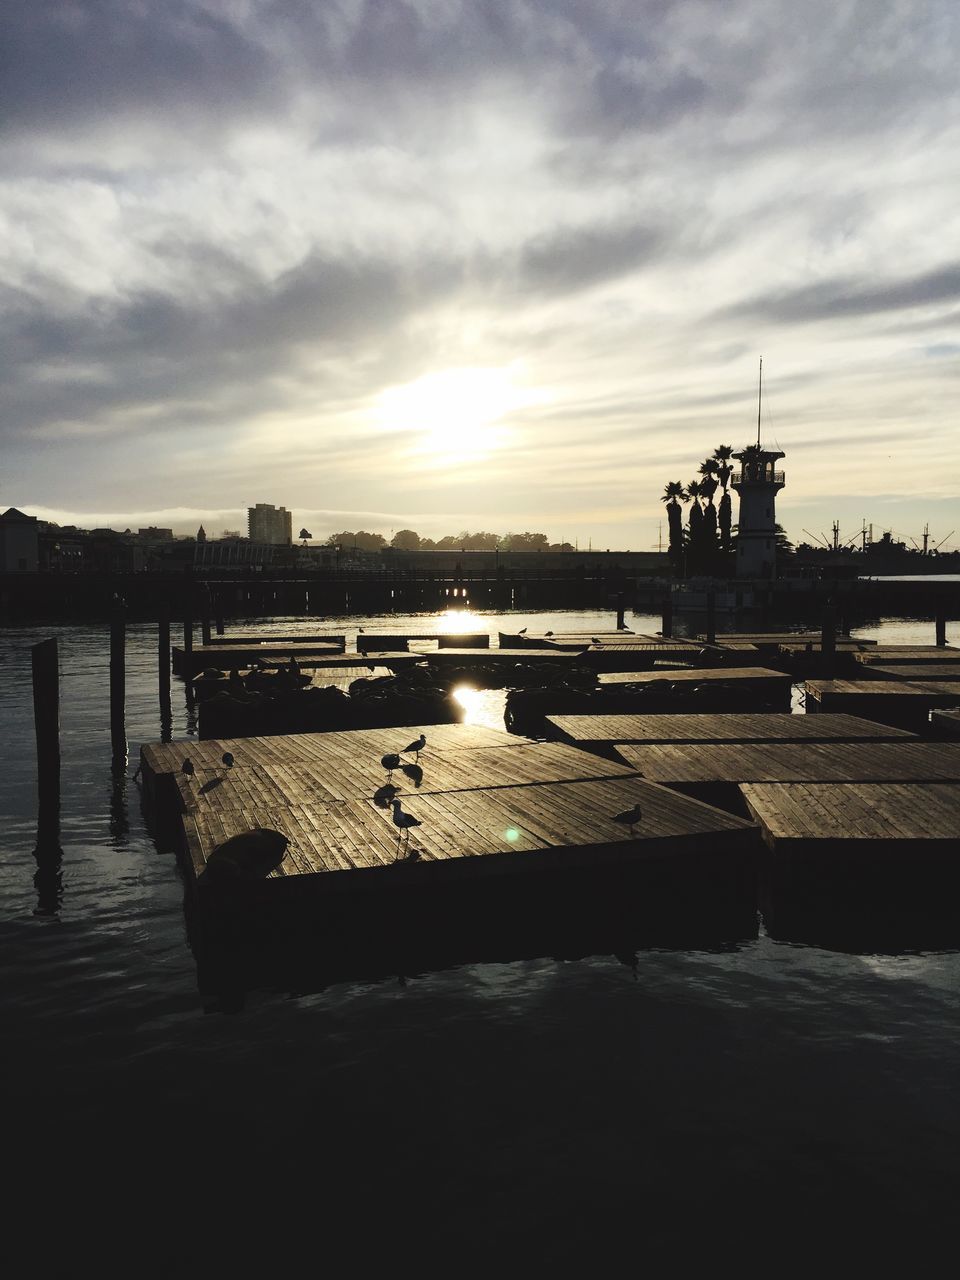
x=403, y=822
x=629, y=817
x=416, y=746
x=294, y=667
x=522, y=631
x=549, y=633
x=235, y=681
x=227, y=759
x=187, y=768
x=595, y=639
x=390, y=762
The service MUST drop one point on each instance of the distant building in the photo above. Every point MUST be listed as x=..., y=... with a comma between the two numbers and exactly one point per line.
x=269, y=524
x=201, y=534
x=757, y=485
x=152, y=534
x=19, y=544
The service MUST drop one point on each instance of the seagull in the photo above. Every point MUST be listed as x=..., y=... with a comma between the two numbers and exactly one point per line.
x=227, y=758
x=187, y=768
x=522, y=631
x=629, y=817
x=416, y=746
x=549, y=633
x=390, y=762
x=403, y=822
x=595, y=639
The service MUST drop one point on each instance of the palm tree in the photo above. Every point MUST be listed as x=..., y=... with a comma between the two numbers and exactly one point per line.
x=673, y=495
x=722, y=455
x=695, y=527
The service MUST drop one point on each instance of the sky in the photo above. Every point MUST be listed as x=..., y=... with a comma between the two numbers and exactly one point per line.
x=478, y=264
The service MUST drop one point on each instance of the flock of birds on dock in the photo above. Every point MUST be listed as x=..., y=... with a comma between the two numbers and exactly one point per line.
x=403, y=821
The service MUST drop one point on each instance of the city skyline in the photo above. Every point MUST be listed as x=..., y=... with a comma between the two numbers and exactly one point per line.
x=444, y=266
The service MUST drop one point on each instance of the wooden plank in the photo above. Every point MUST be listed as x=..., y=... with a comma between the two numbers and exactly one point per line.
x=942, y=672
x=256, y=781
x=911, y=760
x=696, y=675
x=512, y=829
x=836, y=814
x=748, y=727
x=892, y=654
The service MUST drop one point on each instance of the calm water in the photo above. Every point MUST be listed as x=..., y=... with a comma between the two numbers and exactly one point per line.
x=712, y=1098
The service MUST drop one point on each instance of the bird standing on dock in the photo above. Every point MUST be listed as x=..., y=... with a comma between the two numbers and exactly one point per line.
x=187, y=768
x=390, y=762
x=403, y=822
x=416, y=746
x=629, y=817
x=227, y=759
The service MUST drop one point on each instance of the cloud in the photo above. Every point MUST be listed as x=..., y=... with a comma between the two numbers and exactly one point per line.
x=227, y=226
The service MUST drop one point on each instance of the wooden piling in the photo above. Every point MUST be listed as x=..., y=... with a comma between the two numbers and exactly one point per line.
x=188, y=633
x=205, y=619
x=828, y=640
x=711, y=617
x=163, y=656
x=218, y=613
x=46, y=707
x=621, y=625
x=666, y=627
x=118, y=682
x=941, y=627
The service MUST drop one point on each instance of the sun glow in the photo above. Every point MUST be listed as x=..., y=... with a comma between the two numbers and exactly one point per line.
x=454, y=416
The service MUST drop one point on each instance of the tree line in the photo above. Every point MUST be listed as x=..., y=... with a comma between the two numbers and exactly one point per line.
x=410, y=540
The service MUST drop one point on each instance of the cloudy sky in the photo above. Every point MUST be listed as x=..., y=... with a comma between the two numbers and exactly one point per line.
x=499, y=264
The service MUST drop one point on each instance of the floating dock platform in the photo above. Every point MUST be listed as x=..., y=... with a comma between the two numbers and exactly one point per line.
x=603, y=733
x=489, y=805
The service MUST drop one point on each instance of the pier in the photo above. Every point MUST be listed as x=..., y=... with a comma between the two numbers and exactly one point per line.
x=489, y=804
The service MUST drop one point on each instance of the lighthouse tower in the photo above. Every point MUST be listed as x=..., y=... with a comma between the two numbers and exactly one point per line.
x=757, y=485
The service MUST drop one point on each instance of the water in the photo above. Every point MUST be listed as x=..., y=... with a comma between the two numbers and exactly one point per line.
x=708, y=1099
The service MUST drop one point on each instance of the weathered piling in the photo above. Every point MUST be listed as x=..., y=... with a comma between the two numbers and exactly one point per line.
x=118, y=682
x=188, y=635
x=828, y=640
x=621, y=624
x=218, y=613
x=666, y=626
x=711, y=617
x=163, y=657
x=941, y=627
x=205, y=611
x=46, y=714
x=46, y=707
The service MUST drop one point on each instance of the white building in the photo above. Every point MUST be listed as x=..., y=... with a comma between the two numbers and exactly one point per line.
x=269, y=524
x=757, y=484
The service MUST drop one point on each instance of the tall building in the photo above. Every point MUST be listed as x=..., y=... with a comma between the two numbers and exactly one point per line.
x=757, y=485
x=266, y=523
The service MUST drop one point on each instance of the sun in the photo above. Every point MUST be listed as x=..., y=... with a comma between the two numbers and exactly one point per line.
x=455, y=415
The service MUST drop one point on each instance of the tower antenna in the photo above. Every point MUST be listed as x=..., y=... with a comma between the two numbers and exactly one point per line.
x=759, y=400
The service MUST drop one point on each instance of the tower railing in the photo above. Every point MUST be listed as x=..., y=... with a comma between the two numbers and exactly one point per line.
x=757, y=476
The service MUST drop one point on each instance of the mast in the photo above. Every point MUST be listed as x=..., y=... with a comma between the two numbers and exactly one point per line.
x=759, y=401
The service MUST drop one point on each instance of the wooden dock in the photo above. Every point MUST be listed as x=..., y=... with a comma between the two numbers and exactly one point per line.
x=602, y=733
x=942, y=672
x=228, y=657
x=874, y=820
x=889, y=654
x=399, y=641
x=711, y=689
x=895, y=702
x=713, y=772
x=490, y=805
